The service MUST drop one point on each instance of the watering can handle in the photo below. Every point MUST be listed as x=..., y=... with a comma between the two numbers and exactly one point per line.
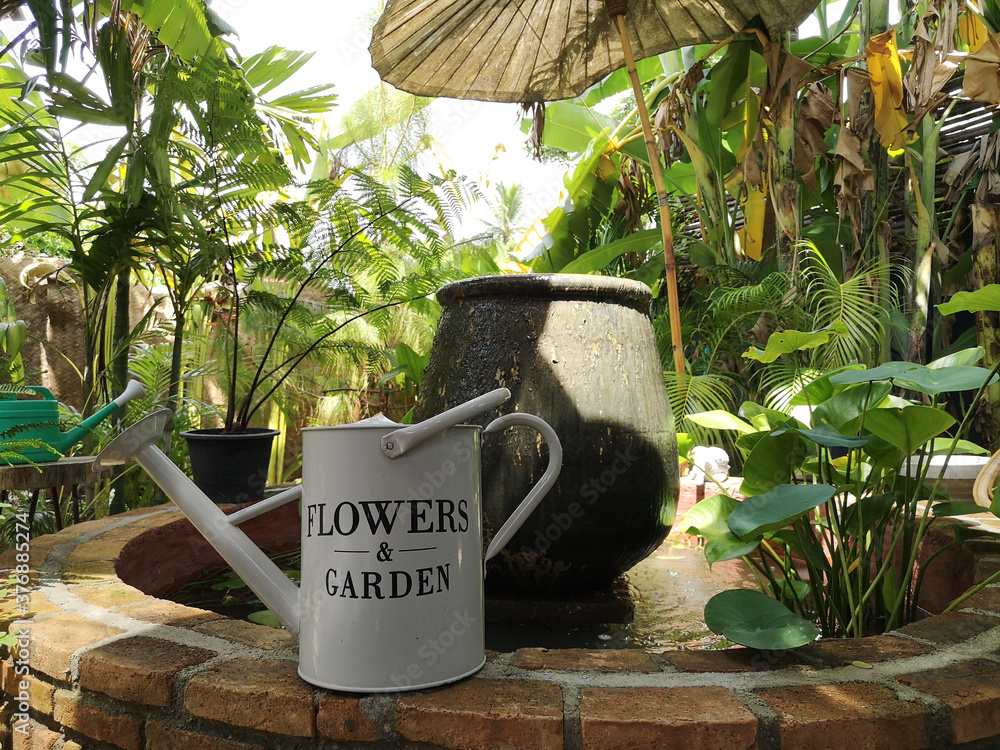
x=520, y=515
x=398, y=442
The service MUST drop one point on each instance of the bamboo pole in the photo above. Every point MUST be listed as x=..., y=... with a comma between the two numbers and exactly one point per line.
x=618, y=17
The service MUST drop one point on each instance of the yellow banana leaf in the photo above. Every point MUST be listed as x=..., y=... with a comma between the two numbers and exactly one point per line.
x=886, y=77
x=751, y=234
x=972, y=30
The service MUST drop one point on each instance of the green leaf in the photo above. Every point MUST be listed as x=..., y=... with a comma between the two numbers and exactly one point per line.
x=618, y=81
x=571, y=127
x=753, y=619
x=600, y=257
x=411, y=363
x=961, y=447
x=843, y=408
x=882, y=372
x=777, y=508
x=763, y=418
x=684, y=444
x=960, y=358
x=264, y=617
x=863, y=515
x=808, y=547
x=910, y=428
x=984, y=299
x=945, y=380
x=825, y=436
x=772, y=462
x=704, y=255
x=819, y=389
x=720, y=420
x=105, y=168
x=786, y=342
x=707, y=519
x=957, y=509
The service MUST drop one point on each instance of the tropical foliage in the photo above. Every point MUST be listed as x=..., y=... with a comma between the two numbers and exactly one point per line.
x=797, y=167
x=838, y=498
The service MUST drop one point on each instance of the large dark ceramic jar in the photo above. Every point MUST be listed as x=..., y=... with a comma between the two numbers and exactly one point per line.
x=579, y=352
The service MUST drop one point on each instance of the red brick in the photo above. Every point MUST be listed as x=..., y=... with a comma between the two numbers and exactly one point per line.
x=138, y=669
x=837, y=652
x=96, y=550
x=986, y=568
x=585, y=660
x=109, y=594
x=38, y=604
x=40, y=693
x=37, y=554
x=971, y=690
x=123, y=534
x=38, y=737
x=260, y=694
x=341, y=718
x=988, y=546
x=169, y=514
x=834, y=717
x=168, y=613
x=731, y=660
x=988, y=600
x=55, y=639
x=90, y=571
x=162, y=737
x=76, y=713
x=250, y=634
x=686, y=717
x=71, y=532
x=950, y=627
x=480, y=713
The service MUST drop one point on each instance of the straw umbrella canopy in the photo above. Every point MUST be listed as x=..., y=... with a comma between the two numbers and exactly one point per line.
x=545, y=50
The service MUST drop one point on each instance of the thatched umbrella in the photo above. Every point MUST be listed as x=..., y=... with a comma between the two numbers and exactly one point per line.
x=544, y=50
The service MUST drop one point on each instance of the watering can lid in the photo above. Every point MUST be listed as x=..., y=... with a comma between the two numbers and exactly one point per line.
x=396, y=443
x=379, y=420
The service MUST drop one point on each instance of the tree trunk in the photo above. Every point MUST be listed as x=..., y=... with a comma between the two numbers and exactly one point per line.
x=923, y=250
x=123, y=286
x=986, y=270
x=874, y=226
x=176, y=360
x=785, y=192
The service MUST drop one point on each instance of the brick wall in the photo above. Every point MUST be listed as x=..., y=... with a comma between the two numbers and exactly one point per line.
x=114, y=667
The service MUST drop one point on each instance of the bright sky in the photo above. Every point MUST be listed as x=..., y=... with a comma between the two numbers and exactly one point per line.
x=339, y=33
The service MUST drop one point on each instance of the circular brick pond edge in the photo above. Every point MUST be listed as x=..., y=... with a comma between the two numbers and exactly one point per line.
x=112, y=665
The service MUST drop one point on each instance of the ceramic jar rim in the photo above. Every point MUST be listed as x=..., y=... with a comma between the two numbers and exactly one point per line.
x=563, y=286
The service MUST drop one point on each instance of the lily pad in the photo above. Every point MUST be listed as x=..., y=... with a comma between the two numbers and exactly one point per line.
x=753, y=619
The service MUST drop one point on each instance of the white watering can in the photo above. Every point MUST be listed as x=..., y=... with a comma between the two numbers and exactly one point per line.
x=392, y=562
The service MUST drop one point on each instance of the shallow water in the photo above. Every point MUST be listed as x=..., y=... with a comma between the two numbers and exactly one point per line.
x=672, y=586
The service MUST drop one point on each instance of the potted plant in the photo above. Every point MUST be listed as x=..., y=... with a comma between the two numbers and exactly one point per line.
x=352, y=258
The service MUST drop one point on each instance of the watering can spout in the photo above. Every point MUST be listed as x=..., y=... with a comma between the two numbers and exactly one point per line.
x=71, y=437
x=275, y=590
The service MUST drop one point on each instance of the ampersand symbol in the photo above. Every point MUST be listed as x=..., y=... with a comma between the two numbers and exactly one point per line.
x=384, y=554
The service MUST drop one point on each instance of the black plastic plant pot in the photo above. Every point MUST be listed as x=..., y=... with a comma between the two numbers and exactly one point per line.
x=230, y=468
